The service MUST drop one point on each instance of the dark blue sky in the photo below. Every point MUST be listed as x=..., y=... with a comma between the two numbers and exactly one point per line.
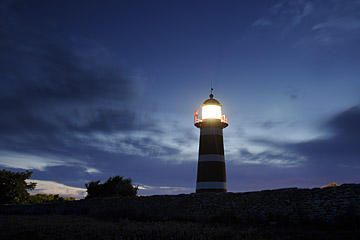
x=93, y=89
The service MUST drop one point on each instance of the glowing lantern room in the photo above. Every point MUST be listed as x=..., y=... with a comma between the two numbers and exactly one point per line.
x=210, y=111
x=211, y=108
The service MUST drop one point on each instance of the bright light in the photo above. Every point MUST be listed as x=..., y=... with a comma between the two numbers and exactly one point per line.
x=211, y=111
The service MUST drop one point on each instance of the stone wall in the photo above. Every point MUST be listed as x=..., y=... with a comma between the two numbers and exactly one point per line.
x=291, y=205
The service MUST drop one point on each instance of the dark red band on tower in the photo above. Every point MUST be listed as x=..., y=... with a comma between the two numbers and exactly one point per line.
x=211, y=144
x=204, y=190
x=211, y=172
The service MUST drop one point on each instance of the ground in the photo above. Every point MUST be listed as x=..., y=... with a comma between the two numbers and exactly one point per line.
x=77, y=227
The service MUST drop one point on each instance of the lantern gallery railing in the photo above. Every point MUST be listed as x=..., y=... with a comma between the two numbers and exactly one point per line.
x=223, y=118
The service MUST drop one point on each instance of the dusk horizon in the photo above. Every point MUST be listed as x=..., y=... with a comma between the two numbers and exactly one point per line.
x=91, y=90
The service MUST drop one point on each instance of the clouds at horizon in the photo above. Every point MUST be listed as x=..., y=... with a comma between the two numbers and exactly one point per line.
x=51, y=187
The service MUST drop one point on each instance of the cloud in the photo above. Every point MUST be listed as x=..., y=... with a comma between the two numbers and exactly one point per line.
x=288, y=11
x=161, y=190
x=346, y=123
x=344, y=23
x=313, y=22
x=62, y=103
x=271, y=124
x=337, y=23
x=51, y=187
x=262, y=22
x=161, y=145
x=341, y=148
x=53, y=91
x=68, y=110
x=14, y=160
x=337, y=147
x=63, y=93
x=277, y=158
x=260, y=163
x=92, y=170
x=305, y=10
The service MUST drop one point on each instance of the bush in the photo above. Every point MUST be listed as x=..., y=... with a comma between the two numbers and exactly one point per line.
x=332, y=184
x=47, y=198
x=113, y=187
x=13, y=187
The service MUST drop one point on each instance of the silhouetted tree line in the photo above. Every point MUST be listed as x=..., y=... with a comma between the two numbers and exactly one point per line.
x=14, y=189
x=113, y=187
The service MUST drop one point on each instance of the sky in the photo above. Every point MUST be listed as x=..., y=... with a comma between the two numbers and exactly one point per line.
x=95, y=89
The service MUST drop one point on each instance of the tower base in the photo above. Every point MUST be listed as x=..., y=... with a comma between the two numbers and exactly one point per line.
x=210, y=190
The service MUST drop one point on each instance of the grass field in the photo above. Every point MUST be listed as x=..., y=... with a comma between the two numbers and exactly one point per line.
x=76, y=227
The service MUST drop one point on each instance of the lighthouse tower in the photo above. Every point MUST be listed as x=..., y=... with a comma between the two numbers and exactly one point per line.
x=211, y=174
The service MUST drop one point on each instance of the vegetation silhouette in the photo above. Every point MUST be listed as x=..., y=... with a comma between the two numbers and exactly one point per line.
x=14, y=190
x=113, y=187
x=13, y=187
x=47, y=198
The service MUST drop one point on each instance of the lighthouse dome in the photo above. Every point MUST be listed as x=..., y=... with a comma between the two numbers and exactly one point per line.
x=211, y=101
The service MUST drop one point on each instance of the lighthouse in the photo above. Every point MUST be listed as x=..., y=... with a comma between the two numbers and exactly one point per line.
x=211, y=173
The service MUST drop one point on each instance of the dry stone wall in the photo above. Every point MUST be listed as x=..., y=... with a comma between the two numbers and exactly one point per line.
x=291, y=205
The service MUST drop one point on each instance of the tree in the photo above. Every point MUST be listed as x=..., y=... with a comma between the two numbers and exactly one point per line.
x=13, y=187
x=114, y=186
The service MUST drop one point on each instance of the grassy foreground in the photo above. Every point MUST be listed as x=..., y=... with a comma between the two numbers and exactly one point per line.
x=77, y=227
